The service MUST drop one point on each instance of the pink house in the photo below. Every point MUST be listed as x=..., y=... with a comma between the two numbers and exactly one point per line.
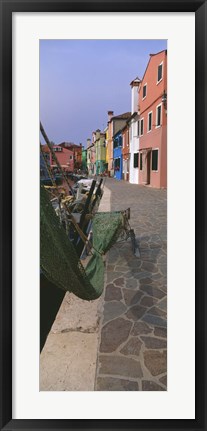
x=152, y=124
x=65, y=158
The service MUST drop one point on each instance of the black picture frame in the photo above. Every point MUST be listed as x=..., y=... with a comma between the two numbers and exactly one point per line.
x=7, y=8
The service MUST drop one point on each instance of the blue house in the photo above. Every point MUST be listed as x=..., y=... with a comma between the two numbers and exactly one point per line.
x=117, y=155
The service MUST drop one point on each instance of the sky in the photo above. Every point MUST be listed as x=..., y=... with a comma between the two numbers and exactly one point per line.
x=80, y=80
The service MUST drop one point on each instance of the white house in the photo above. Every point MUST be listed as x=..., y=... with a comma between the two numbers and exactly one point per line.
x=133, y=132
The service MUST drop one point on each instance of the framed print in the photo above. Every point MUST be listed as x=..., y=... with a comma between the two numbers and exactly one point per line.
x=148, y=371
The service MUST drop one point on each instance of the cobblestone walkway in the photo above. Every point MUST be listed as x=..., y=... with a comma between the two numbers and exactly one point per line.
x=132, y=352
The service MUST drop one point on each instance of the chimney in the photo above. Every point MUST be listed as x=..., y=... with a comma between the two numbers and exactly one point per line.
x=110, y=115
x=88, y=142
x=135, y=94
x=98, y=134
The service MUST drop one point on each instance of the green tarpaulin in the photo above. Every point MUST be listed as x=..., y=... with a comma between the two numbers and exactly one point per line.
x=58, y=258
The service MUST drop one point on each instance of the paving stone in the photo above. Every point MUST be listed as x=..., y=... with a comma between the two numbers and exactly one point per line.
x=163, y=380
x=111, y=276
x=140, y=328
x=163, y=304
x=155, y=361
x=141, y=275
x=131, y=283
x=154, y=343
x=120, y=365
x=113, y=309
x=163, y=269
x=146, y=281
x=113, y=334
x=136, y=312
x=115, y=384
x=134, y=263
x=110, y=267
x=155, y=320
x=119, y=281
x=152, y=291
x=112, y=293
x=131, y=297
x=148, y=385
x=156, y=277
x=162, y=260
x=163, y=287
x=148, y=266
x=132, y=347
x=121, y=269
x=110, y=285
x=148, y=301
x=157, y=312
x=160, y=332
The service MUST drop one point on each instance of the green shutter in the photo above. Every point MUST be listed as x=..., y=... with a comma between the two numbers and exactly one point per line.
x=154, y=160
x=136, y=160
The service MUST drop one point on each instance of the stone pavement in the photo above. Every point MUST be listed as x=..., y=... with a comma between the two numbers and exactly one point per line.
x=132, y=352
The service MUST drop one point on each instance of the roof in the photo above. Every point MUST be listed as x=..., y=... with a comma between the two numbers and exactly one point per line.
x=136, y=80
x=69, y=145
x=123, y=116
x=153, y=55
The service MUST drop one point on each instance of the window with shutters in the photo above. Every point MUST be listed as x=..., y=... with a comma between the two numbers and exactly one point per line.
x=149, y=122
x=138, y=128
x=159, y=72
x=136, y=160
x=140, y=161
x=158, y=115
x=141, y=126
x=144, y=91
x=154, y=160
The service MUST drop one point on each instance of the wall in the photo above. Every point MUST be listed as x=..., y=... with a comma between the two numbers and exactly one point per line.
x=157, y=137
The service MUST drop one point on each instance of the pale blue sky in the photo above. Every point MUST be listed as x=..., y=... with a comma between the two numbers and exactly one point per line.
x=80, y=80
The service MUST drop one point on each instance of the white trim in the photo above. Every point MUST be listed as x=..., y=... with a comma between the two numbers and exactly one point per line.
x=145, y=85
x=156, y=125
x=148, y=131
x=162, y=72
x=155, y=149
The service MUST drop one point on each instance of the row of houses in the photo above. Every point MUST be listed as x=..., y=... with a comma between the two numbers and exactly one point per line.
x=133, y=146
x=69, y=156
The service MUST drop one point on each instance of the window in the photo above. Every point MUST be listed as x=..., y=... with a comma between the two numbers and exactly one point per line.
x=71, y=157
x=141, y=127
x=149, y=121
x=144, y=91
x=158, y=116
x=154, y=160
x=116, y=143
x=138, y=131
x=159, y=73
x=140, y=161
x=136, y=160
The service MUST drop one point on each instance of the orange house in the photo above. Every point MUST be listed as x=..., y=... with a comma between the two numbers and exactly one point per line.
x=152, y=125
